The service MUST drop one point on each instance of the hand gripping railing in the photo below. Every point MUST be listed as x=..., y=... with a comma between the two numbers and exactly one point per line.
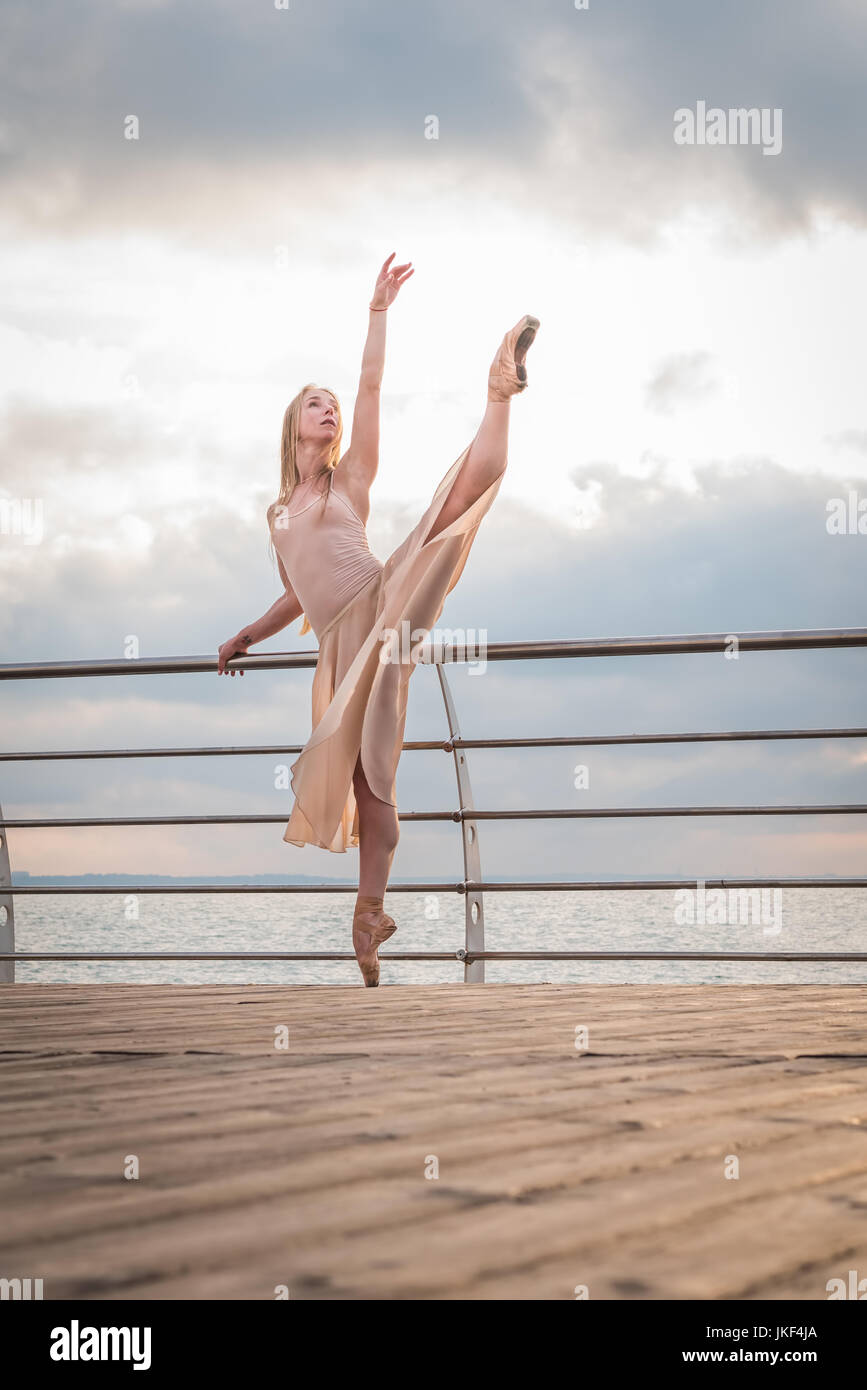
x=473, y=886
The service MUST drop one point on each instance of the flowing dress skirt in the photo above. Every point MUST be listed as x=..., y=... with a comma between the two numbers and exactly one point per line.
x=359, y=699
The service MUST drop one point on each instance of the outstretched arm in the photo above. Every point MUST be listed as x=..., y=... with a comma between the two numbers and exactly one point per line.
x=281, y=613
x=362, y=457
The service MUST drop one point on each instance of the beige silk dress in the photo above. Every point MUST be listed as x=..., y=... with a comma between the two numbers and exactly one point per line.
x=353, y=602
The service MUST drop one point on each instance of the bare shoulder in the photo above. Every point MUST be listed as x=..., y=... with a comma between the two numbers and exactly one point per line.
x=352, y=485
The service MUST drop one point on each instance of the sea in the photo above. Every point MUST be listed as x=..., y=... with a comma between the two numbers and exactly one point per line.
x=798, y=919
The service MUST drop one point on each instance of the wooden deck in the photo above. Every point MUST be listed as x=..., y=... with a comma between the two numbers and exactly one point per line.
x=306, y=1167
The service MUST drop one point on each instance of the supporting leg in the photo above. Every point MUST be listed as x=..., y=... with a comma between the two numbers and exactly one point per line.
x=487, y=457
x=378, y=835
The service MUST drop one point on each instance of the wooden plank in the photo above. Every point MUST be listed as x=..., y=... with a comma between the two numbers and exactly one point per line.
x=250, y=1170
x=306, y=1167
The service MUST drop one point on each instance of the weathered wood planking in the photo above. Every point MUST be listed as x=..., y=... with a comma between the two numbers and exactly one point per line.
x=557, y=1167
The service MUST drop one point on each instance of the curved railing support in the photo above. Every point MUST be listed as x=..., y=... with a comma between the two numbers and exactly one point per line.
x=474, y=905
x=7, y=911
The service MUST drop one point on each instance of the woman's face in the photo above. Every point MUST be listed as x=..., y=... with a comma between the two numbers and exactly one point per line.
x=319, y=417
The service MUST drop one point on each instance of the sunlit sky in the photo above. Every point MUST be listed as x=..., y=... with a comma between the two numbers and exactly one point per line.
x=696, y=396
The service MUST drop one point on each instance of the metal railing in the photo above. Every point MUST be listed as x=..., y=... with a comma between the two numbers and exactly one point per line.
x=473, y=885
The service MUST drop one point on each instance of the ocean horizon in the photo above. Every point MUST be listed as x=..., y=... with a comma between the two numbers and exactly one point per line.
x=784, y=920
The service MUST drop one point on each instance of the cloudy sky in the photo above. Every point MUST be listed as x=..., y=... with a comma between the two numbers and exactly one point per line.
x=696, y=399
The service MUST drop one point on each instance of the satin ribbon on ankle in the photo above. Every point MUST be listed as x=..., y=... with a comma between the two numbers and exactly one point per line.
x=364, y=903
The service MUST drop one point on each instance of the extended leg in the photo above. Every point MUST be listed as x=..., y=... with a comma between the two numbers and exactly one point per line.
x=488, y=454
x=487, y=457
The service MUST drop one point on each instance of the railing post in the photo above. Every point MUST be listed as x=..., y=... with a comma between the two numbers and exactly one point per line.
x=7, y=910
x=474, y=932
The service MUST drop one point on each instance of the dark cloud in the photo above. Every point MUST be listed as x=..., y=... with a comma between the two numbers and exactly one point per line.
x=571, y=107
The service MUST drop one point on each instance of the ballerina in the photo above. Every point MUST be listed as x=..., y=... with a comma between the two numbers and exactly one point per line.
x=344, y=778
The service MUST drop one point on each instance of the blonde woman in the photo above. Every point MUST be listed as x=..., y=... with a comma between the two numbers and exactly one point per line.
x=344, y=779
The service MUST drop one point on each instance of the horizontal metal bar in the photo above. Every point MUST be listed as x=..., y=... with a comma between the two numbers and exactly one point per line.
x=155, y=666
x=571, y=813
x=679, y=643
x=672, y=955
x=457, y=956
x=251, y=750
x=647, y=885
x=600, y=740
x=622, y=885
x=428, y=745
x=24, y=956
x=616, y=812
x=105, y=822
x=27, y=890
x=72, y=753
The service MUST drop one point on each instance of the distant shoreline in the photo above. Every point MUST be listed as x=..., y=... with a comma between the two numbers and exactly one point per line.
x=22, y=878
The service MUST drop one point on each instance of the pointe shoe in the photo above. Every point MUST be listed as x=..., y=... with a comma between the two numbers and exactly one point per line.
x=508, y=375
x=372, y=923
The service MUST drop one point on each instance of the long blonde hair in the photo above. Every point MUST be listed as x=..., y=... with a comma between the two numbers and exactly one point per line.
x=289, y=476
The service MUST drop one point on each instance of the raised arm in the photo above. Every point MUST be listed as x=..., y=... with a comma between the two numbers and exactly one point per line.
x=361, y=459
